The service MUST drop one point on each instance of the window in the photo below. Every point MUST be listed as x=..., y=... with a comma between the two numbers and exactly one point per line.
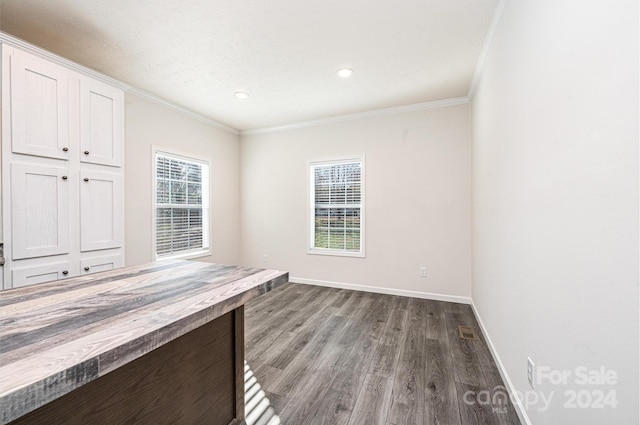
x=336, y=207
x=181, y=206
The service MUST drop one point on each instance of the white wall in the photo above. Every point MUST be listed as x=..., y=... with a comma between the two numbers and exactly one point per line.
x=147, y=124
x=555, y=198
x=418, y=200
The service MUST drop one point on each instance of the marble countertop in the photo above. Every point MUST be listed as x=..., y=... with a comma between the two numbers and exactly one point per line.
x=57, y=336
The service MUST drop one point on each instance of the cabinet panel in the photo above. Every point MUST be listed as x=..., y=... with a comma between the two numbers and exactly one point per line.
x=100, y=210
x=100, y=264
x=39, y=107
x=102, y=123
x=51, y=115
x=39, y=210
x=39, y=274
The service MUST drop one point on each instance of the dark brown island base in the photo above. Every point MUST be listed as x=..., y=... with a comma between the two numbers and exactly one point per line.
x=161, y=343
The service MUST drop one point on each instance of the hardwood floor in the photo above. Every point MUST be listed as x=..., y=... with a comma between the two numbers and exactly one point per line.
x=335, y=357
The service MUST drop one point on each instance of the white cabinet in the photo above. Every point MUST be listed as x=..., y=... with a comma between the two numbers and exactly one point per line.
x=40, y=210
x=39, y=106
x=100, y=210
x=100, y=264
x=101, y=123
x=39, y=274
x=62, y=175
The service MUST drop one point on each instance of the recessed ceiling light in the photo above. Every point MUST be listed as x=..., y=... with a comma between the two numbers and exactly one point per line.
x=241, y=95
x=345, y=72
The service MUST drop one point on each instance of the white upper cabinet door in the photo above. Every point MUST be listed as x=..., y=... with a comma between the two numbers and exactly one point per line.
x=100, y=210
x=39, y=107
x=101, y=118
x=39, y=210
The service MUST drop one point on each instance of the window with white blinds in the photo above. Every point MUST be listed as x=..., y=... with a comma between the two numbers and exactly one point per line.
x=181, y=206
x=336, y=207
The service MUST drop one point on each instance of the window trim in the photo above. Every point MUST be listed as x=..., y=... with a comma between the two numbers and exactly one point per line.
x=311, y=249
x=204, y=252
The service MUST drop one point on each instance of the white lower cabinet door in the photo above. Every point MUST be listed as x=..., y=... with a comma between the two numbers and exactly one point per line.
x=100, y=264
x=100, y=210
x=39, y=211
x=39, y=274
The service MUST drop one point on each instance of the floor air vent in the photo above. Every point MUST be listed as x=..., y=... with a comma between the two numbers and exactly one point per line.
x=467, y=332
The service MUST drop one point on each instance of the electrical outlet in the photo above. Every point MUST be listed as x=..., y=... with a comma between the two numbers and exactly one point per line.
x=423, y=272
x=531, y=368
x=265, y=258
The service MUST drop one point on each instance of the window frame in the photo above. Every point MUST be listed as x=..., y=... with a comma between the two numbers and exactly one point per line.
x=187, y=157
x=311, y=217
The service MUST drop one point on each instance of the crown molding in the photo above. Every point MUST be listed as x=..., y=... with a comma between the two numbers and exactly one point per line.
x=486, y=49
x=487, y=46
x=52, y=57
x=181, y=109
x=359, y=116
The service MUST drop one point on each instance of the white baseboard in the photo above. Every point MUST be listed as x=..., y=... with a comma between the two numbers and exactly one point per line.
x=522, y=413
x=381, y=290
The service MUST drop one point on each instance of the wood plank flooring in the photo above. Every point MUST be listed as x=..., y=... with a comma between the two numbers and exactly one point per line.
x=324, y=356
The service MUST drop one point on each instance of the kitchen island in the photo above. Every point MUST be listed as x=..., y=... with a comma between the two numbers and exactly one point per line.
x=150, y=344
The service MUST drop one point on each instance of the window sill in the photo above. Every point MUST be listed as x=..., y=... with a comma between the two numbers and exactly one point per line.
x=336, y=253
x=186, y=256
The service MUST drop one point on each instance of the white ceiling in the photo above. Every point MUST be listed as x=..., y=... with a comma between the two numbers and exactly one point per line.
x=284, y=53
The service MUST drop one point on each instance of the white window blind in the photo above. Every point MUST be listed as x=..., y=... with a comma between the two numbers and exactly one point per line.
x=336, y=207
x=182, y=205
